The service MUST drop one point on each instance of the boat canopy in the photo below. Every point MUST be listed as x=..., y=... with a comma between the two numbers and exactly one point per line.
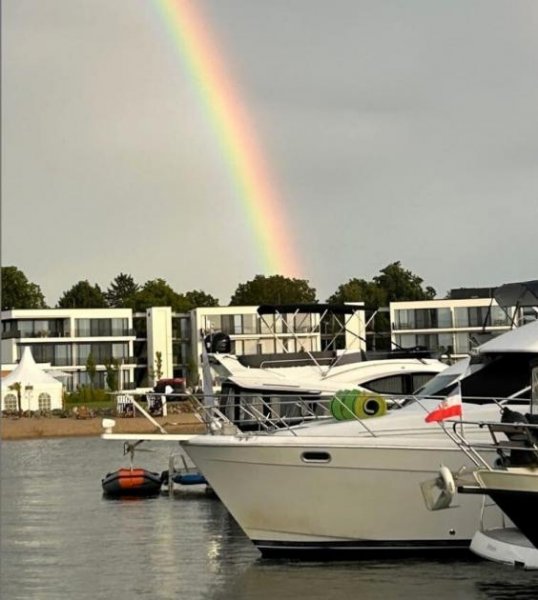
x=523, y=293
x=523, y=339
x=337, y=309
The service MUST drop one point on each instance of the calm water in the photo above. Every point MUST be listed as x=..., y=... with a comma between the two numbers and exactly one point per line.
x=61, y=539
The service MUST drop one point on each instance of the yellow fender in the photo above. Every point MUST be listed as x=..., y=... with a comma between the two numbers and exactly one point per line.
x=370, y=405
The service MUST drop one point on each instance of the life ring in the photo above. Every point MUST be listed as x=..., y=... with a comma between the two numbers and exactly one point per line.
x=447, y=481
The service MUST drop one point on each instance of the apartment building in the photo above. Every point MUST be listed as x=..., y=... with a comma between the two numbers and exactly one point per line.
x=154, y=344
x=158, y=343
x=451, y=326
x=64, y=339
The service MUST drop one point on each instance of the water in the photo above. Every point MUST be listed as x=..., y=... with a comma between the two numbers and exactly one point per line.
x=61, y=539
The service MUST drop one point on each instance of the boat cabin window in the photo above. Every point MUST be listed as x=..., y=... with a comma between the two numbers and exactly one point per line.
x=248, y=408
x=442, y=380
x=398, y=384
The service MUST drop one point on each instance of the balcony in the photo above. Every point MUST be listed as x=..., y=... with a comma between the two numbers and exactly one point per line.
x=45, y=333
x=86, y=333
x=126, y=361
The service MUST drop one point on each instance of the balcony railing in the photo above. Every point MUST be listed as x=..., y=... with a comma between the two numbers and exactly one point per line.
x=45, y=333
x=126, y=361
x=126, y=332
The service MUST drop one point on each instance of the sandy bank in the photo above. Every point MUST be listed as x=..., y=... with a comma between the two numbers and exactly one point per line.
x=47, y=427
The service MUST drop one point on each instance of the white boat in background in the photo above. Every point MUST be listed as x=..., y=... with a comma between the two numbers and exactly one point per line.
x=310, y=375
x=335, y=488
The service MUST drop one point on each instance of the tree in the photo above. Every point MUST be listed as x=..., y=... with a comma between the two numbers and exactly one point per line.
x=158, y=293
x=197, y=298
x=122, y=291
x=399, y=284
x=83, y=295
x=112, y=372
x=274, y=289
x=393, y=284
x=156, y=372
x=91, y=369
x=18, y=292
x=358, y=290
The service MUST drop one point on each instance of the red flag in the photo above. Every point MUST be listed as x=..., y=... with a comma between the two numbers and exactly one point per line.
x=449, y=407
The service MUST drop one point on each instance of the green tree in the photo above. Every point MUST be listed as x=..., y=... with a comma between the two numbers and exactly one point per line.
x=158, y=293
x=274, y=289
x=156, y=372
x=18, y=292
x=112, y=374
x=91, y=369
x=400, y=284
x=83, y=295
x=198, y=298
x=122, y=291
x=393, y=284
x=358, y=290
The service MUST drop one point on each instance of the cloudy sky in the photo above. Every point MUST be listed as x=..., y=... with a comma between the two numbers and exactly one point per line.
x=394, y=130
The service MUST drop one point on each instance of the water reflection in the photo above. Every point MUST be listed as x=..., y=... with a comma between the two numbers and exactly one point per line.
x=61, y=539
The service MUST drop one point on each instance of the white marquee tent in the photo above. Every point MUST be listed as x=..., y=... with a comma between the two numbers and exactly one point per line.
x=39, y=390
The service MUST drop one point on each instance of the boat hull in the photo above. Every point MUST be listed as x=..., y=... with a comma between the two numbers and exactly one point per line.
x=515, y=491
x=507, y=546
x=131, y=483
x=297, y=497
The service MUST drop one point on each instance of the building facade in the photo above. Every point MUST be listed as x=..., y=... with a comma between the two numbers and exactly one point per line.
x=452, y=327
x=66, y=340
x=144, y=347
x=155, y=344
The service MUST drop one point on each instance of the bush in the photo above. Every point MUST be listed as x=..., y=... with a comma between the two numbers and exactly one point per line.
x=87, y=395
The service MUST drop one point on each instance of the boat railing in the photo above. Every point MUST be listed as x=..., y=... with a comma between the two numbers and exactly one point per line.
x=231, y=412
x=253, y=412
x=271, y=412
x=517, y=447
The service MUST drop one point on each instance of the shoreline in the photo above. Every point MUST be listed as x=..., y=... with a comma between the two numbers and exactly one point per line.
x=29, y=428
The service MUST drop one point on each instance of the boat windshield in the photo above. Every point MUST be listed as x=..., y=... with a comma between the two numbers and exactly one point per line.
x=452, y=373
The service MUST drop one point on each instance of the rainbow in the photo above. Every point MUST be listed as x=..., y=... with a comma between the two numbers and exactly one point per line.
x=256, y=190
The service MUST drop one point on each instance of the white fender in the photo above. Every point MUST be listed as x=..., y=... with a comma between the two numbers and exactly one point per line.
x=448, y=480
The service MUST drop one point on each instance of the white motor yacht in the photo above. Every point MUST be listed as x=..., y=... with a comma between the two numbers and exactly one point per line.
x=354, y=486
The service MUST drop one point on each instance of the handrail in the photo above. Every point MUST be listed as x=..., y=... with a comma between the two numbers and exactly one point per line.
x=526, y=442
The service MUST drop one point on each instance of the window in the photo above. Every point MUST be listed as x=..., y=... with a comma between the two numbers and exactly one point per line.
x=405, y=319
x=407, y=340
x=212, y=322
x=463, y=343
x=499, y=317
x=44, y=402
x=249, y=324
x=267, y=324
x=444, y=318
x=42, y=353
x=82, y=327
x=120, y=326
x=393, y=384
x=10, y=402
x=461, y=317
x=62, y=355
x=420, y=379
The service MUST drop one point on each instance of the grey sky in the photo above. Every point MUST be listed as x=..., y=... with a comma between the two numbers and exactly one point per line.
x=396, y=130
